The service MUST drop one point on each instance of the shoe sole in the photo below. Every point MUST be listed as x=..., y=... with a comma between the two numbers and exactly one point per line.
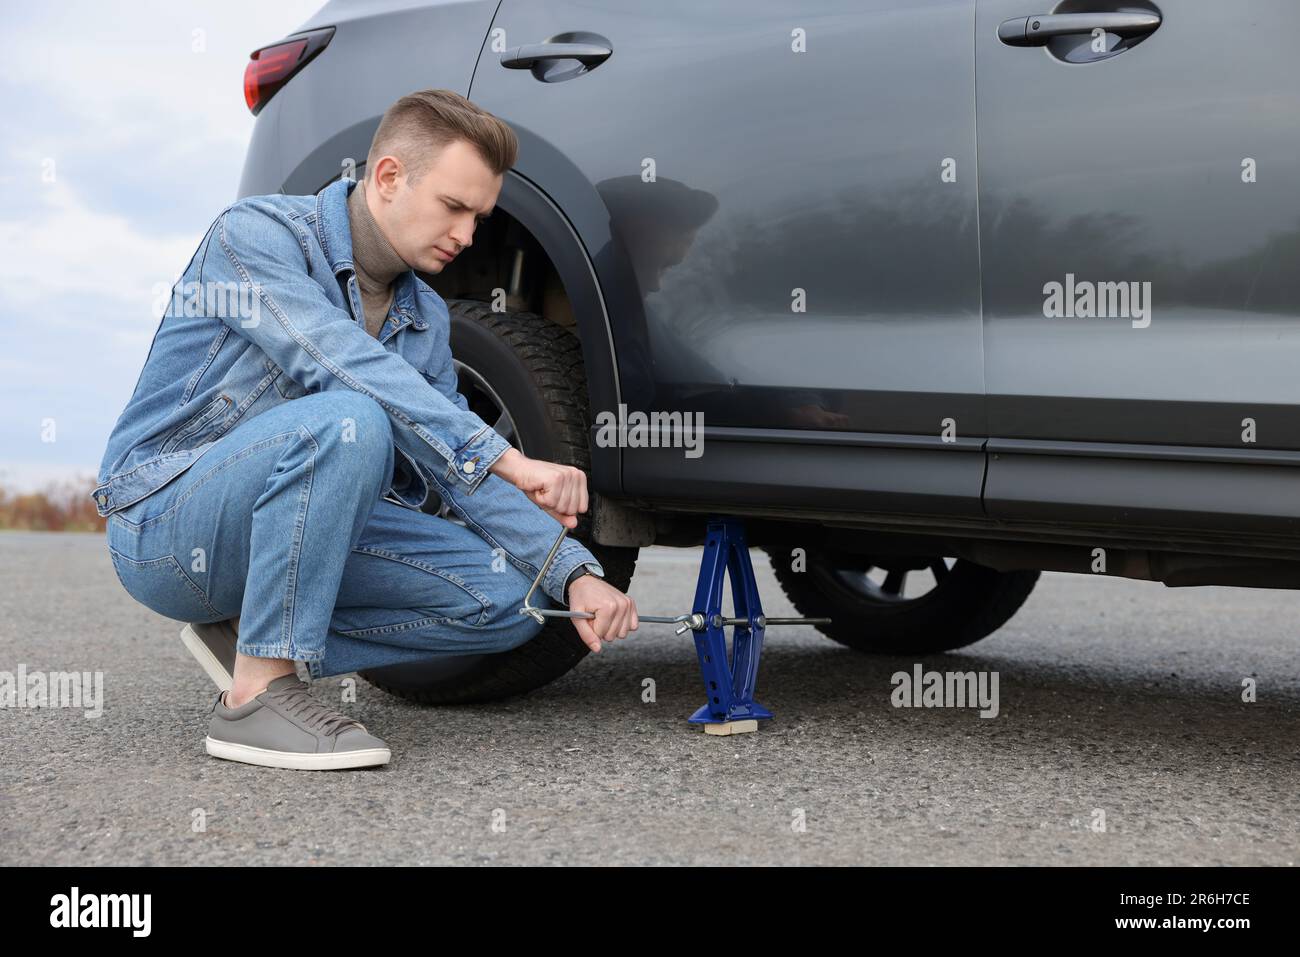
x=294, y=760
x=222, y=678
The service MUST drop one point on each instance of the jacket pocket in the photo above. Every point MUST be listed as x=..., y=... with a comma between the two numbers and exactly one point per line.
x=191, y=430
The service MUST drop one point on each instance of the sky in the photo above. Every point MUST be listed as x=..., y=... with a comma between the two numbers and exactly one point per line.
x=123, y=135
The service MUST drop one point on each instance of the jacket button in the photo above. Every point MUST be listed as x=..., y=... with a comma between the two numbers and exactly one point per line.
x=101, y=498
x=468, y=466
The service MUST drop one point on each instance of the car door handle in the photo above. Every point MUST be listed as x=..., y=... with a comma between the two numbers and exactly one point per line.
x=523, y=58
x=1037, y=30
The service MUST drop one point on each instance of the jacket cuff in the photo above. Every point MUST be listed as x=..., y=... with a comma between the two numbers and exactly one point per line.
x=472, y=461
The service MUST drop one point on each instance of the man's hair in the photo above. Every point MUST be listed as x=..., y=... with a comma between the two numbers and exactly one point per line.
x=417, y=127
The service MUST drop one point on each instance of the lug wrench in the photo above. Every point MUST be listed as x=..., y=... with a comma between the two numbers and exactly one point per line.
x=690, y=622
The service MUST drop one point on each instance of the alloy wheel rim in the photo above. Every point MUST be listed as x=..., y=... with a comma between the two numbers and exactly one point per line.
x=888, y=585
x=485, y=402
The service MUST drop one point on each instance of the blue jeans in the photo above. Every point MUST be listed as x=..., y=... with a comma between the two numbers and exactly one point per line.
x=282, y=524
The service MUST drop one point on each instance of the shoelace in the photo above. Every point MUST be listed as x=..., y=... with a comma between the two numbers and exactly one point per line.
x=298, y=702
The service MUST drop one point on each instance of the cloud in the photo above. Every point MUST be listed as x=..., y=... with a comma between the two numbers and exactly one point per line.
x=140, y=108
x=80, y=269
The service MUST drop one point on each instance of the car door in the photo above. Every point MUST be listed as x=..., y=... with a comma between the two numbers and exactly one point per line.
x=1140, y=233
x=780, y=203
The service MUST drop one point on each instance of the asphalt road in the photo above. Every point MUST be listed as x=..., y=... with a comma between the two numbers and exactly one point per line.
x=1114, y=696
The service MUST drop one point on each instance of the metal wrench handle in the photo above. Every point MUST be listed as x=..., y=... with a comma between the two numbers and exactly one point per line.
x=689, y=622
x=550, y=557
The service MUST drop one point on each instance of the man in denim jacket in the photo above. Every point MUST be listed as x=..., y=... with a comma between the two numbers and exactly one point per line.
x=269, y=468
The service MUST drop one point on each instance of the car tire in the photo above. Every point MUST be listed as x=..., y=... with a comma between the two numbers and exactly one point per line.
x=967, y=602
x=534, y=369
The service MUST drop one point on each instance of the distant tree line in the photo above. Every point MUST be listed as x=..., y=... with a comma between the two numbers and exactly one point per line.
x=64, y=506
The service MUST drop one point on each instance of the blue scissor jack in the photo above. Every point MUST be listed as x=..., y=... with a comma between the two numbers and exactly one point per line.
x=729, y=685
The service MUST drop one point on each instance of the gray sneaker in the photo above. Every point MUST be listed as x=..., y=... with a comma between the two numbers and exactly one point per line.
x=285, y=727
x=214, y=646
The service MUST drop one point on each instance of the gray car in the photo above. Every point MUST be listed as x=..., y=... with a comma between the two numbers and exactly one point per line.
x=960, y=290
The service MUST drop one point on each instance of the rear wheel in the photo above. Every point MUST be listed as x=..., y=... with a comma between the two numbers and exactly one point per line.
x=918, y=605
x=524, y=376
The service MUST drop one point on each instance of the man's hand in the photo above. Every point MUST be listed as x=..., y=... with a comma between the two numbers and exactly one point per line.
x=615, y=612
x=560, y=490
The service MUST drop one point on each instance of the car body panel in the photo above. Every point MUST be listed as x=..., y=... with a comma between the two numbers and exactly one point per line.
x=923, y=389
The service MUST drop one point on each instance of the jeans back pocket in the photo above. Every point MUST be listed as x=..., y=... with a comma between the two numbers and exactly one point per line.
x=161, y=585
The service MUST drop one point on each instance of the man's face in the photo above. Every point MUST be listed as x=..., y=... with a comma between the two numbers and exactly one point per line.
x=436, y=217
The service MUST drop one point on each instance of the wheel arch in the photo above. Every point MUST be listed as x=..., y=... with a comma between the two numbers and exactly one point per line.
x=543, y=221
x=530, y=212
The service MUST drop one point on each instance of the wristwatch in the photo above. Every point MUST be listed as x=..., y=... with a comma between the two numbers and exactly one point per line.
x=586, y=568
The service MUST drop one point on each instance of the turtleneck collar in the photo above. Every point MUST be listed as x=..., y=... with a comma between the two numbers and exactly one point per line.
x=376, y=262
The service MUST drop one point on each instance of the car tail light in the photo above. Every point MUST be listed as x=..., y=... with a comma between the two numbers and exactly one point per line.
x=271, y=67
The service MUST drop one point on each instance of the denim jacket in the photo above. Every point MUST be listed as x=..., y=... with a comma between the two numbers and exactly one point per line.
x=268, y=310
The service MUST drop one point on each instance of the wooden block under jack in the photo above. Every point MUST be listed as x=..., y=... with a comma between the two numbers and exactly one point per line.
x=732, y=727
